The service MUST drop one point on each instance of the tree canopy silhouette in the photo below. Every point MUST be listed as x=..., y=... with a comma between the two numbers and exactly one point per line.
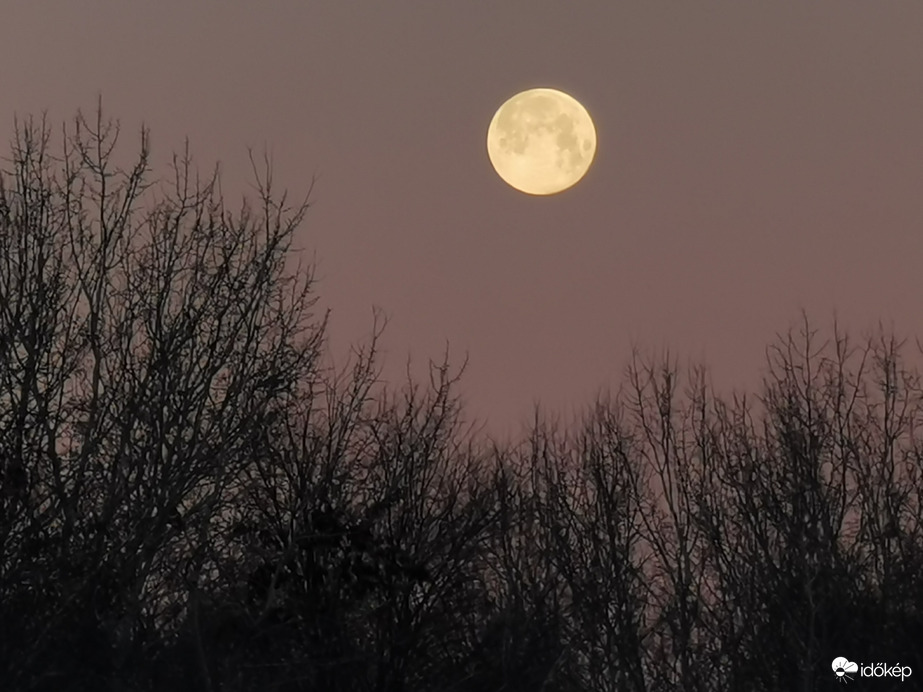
x=192, y=499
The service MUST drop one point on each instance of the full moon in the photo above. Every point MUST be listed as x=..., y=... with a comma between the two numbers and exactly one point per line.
x=541, y=141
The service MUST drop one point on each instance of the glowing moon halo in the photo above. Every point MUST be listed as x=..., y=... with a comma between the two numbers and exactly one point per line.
x=541, y=141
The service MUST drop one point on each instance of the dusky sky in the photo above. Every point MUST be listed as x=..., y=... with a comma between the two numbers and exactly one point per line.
x=755, y=159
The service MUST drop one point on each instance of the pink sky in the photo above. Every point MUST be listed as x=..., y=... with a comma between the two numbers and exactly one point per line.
x=754, y=159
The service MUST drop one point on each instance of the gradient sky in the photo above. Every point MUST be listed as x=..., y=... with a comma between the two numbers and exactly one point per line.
x=754, y=159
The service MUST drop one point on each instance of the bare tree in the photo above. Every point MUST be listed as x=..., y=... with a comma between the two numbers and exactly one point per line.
x=192, y=498
x=145, y=340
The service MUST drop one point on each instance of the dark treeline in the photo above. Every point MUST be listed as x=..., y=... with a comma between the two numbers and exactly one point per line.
x=191, y=499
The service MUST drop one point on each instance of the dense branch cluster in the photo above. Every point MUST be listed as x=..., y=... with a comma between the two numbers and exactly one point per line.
x=190, y=499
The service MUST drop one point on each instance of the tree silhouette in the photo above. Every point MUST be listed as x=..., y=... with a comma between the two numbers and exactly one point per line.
x=142, y=351
x=191, y=498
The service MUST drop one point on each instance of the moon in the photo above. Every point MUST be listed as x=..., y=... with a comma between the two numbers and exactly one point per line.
x=541, y=141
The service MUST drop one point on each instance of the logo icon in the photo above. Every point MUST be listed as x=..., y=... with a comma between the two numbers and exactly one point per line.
x=842, y=667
